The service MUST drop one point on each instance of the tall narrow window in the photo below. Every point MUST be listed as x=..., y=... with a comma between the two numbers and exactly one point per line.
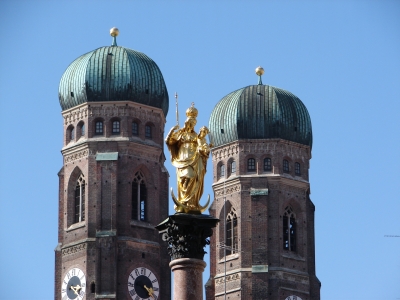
x=80, y=200
x=233, y=167
x=285, y=166
x=289, y=230
x=135, y=128
x=251, y=165
x=139, y=198
x=222, y=171
x=297, y=169
x=231, y=243
x=148, y=131
x=72, y=134
x=267, y=164
x=83, y=129
x=98, y=127
x=115, y=127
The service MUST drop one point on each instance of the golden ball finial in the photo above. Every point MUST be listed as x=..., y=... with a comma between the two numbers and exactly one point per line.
x=114, y=31
x=259, y=71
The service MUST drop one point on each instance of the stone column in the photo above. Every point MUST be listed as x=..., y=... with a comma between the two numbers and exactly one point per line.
x=188, y=278
x=187, y=235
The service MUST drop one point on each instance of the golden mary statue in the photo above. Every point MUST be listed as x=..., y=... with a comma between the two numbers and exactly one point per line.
x=189, y=154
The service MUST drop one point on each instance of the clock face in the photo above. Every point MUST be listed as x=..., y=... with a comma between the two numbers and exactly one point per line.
x=74, y=285
x=293, y=297
x=143, y=284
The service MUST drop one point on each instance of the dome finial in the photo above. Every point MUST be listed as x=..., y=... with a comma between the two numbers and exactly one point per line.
x=114, y=33
x=259, y=72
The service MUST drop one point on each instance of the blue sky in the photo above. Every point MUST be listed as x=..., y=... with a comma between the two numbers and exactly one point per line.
x=341, y=58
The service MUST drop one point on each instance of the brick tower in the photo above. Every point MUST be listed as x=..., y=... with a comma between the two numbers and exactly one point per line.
x=263, y=247
x=113, y=183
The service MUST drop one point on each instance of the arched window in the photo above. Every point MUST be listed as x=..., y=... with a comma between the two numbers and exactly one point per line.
x=285, y=166
x=297, y=169
x=251, y=165
x=267, y=164
x=148, y=132
x=82, y=129
x=93, y=287
x=115, y=127
x=135, y=128
x=98, y=128
x=72, y=134
x=231, y=243
x=233, y=167
x=139, y=197
x=221, y=171
x=289, y=230
x=80, y=200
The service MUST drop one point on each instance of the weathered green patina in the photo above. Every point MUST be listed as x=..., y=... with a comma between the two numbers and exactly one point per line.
x=113, y=74
x=107, y=156
x=260, y=112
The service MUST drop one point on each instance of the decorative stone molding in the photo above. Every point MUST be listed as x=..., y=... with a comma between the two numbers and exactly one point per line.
x=224, y=152
x=112, y=110
x=228, y=278
x=76, y=156
x=109, y=110
x=75, y=115
x=228, y=190
x=73, y=249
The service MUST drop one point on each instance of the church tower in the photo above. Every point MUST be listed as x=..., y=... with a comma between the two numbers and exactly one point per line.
x=263, y=247
x=113, y=186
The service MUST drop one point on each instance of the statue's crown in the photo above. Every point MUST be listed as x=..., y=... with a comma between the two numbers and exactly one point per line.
x=192, y=111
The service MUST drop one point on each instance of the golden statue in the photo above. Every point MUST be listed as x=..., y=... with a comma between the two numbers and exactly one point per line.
x=189, y=154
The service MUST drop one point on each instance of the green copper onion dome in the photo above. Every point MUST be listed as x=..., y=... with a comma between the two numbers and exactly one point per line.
x=113, y=74
x=260, y=112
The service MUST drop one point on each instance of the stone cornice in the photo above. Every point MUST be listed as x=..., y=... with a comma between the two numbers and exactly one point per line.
x=113, y=109
x=270, y=146
x=239, y=183
x=139, y=150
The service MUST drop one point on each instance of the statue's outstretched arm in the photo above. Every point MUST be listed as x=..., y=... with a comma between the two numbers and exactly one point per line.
x=170, y=136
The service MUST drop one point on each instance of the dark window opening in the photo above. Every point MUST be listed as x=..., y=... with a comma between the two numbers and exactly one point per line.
x=233, y=167
x=72, y=135
x=231, y=243
x=72, y=94
x=297, y=169
x=148, y=132
x=267, y=164
x=285, y=166
x=139, y=198
x=99, y=127
x=83, y=130
x=135, y=128
x=289, y=230
x=93, y=288
x=251, y=164
x=115, y=127
x=80, y=200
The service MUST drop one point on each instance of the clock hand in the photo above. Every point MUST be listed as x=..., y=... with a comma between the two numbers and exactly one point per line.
x=150, y=291
x=75, y=289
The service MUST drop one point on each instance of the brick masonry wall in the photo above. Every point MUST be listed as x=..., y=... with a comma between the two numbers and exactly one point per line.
x=260, y=221
x=109, y=245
